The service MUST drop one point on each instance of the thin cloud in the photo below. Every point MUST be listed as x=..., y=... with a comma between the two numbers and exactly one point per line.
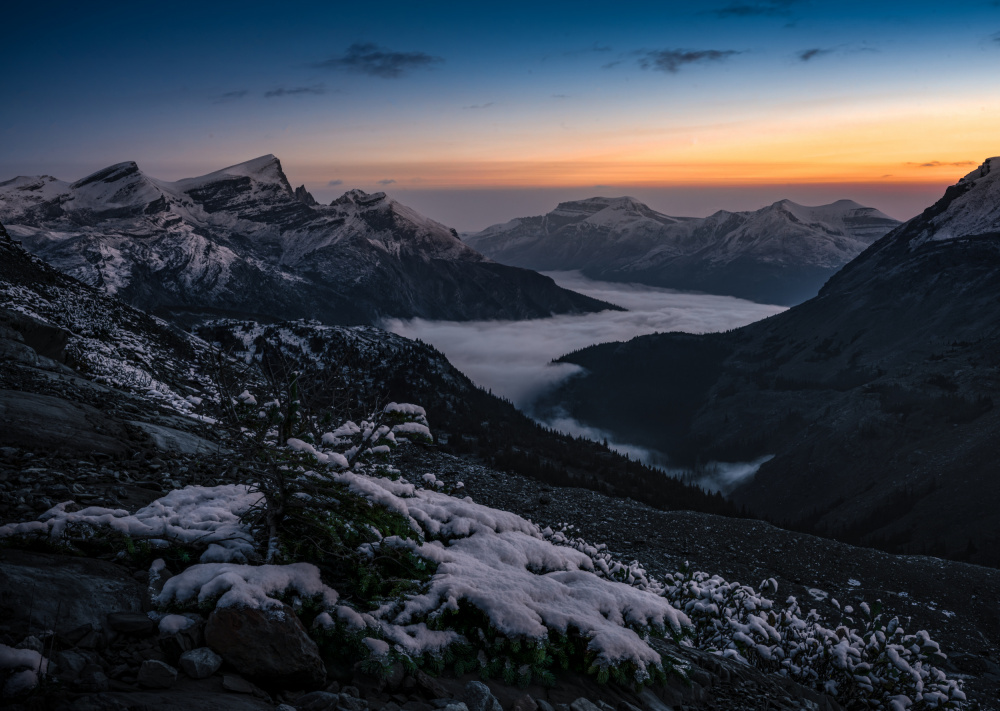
x=940, y=164
x=385, y=181
x=560, y=96
x=370, y=59
x=807, y=55
x=231, y=96
x=480, y=106
x=671, y=60
x=772, y=8
x=295, y=91
x=335, y=183
x=593, y=49
x=996, y=37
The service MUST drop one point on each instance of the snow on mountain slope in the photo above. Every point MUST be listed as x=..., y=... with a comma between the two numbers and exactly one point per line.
x=976, y=209
x=783, y=252
x=241, y=241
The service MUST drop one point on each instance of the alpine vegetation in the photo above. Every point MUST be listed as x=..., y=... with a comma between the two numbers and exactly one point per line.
x=392, y=571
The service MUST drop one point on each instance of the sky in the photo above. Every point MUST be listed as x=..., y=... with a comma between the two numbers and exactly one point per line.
x=475, y=113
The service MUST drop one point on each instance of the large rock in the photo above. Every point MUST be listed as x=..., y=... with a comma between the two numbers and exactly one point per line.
x=478, y=697
x=47, y=422
x=173, y=440
x=154, y=674
x=135, y=623
x=61, y=592
x=269, y=645
x=44, y=338
x=200, y=663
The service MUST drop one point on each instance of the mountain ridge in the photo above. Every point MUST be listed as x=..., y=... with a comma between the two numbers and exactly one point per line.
x=781, y=253
x=241, y=241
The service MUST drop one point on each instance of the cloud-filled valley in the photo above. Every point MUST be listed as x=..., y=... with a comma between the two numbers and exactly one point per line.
x=513, y=358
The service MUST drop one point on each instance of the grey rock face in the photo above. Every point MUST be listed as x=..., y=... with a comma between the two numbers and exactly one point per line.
x=64, y=592
x=200, y=663
x=304, y=196
x=318, y=701
x=135, y=623
x=478, y=697
x=18, y=352
x=271, y=646
x=154, y=674
x=46, y=339
x=237, y=684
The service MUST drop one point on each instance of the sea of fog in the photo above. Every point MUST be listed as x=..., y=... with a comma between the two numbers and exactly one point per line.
x=513, y=359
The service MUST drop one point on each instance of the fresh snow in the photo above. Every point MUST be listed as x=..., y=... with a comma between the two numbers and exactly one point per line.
x=192, y=515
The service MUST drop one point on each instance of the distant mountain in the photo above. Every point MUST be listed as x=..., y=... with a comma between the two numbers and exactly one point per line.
x=782, y=253
x=877, y=398
x=240, y=241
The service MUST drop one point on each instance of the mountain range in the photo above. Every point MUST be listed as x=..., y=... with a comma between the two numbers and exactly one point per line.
x=875, y=398
x=781, y=254
x=240, y=241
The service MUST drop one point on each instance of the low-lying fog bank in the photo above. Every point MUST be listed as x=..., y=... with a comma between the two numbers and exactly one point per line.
x=514, y=358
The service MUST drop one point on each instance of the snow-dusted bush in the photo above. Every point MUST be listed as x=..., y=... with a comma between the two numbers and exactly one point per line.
x=388, y=570
x=20, y=670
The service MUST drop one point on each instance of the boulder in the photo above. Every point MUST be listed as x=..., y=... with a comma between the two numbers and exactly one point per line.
x=51, y=423
x=237, y=684
x=318, y=701
x=269, y=645
x=62, y=593
x=200, y=663
x=134, y=623
x=525, y=703
x=154, y=674
x=43, y=338
x=478, y=697
x=17, y=352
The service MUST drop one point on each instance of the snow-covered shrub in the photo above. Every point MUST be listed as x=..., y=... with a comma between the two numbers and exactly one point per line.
x=20, y=670
x=866, y=661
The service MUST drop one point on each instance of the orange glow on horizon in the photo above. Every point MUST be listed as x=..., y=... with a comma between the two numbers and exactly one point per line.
x=915, y=143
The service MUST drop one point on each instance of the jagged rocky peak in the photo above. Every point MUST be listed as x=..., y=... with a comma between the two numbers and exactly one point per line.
x=970, y=208
x=596, y=204
x=265, y=170
x=111, y=174
x=359, y=197
x=988, y=166
x=304, y=196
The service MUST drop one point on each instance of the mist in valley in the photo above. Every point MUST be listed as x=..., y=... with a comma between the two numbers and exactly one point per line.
x=513, y=359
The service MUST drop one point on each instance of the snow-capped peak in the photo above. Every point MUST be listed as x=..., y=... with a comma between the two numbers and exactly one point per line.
x=969, y=209
x=265, y=169
x=359, y=197
x=111, y=174
x=982, y=171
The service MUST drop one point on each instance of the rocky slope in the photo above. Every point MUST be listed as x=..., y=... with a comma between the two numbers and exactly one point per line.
x=240, y=241
x=876, y=398
x=782, y=253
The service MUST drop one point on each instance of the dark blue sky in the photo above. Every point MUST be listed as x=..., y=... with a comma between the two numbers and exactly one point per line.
x=519, y=102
